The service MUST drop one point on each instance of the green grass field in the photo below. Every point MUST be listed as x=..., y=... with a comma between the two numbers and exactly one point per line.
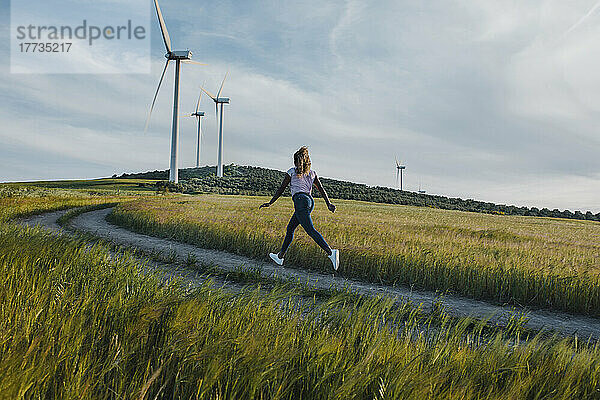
x=23, y=199
x=77, y=323
x=545, y=262
x=103, y=184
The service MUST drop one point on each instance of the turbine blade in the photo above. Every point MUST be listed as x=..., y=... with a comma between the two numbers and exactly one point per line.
x=163, y=27
x=212, y=96
x=156, y=95
x=222, y=83
x=198, y=103
x=397, y=163
x=199, y=98
x=192, y=62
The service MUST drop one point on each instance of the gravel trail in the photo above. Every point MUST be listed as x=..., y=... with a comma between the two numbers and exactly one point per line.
x=94, y=222
x=166, y=272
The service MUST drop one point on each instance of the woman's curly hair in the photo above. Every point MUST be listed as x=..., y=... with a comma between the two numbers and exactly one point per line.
x=302, y=161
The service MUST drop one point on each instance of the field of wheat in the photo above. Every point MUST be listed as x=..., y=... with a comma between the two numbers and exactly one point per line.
x=78, y=322
x=544, y=262
x=21, y=201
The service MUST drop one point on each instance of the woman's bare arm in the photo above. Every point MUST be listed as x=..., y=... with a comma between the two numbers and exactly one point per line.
x=286, y=181
x=324, y=194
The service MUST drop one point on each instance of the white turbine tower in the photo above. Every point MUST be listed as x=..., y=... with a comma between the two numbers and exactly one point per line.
x=222, y=101
x=399, y=170
x=179, y=57
x=198, y=114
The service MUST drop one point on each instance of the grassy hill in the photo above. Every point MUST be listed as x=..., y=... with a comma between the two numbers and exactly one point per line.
x=247, y=180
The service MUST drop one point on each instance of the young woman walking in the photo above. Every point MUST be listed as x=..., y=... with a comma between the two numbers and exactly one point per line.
x=301, y=179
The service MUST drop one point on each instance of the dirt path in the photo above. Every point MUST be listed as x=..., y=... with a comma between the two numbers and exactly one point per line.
x=94, y=222
x=166, y=272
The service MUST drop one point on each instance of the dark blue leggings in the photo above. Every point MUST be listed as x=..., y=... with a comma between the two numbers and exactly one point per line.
x=303, y=206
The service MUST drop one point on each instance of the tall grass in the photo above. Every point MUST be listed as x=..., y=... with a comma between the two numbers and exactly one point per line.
x=22, y=200
x=525, y=260
x=76, y=323
x=16, y=202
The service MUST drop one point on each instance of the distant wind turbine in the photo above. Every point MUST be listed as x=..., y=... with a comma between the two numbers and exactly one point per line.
x=179, y=57
x=222, y=101
x=198, y=114
x=399, y=170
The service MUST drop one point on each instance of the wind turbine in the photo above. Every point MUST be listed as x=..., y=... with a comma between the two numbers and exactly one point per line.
x=222, y=101
x=399, y=170
x=198, y=114
x=179, y=57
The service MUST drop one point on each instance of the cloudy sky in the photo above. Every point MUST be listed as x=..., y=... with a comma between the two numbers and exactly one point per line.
x=492, y=100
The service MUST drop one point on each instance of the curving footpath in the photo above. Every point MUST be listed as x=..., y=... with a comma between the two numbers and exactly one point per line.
x=94, y=222
x=191, y=279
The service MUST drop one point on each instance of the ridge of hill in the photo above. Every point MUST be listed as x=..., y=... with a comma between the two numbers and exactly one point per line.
x=258, y=181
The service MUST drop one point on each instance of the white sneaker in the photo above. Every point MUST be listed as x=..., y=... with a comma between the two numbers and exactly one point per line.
x=335, y=258
x=275, y=257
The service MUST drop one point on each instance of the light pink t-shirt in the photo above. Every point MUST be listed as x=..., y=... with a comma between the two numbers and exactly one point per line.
x=302, y=183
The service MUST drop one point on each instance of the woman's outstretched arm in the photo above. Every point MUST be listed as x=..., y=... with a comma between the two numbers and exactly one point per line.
x=324, y=194
x=286, y=181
